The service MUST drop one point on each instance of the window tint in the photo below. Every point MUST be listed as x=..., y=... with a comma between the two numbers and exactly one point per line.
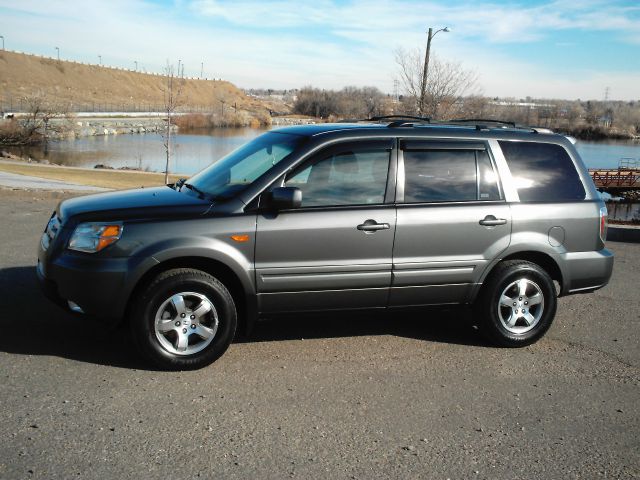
x=440, y=176
x=488, y=178
x=542, y=171
x=353, y=177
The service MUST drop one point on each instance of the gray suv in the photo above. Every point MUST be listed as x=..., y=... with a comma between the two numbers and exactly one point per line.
x=384, y=214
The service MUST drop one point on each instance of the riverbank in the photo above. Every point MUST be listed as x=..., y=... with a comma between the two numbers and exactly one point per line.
x=597, y=133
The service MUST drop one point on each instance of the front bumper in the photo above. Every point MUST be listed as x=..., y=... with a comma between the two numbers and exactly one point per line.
x=99, y=286
x=584, y=272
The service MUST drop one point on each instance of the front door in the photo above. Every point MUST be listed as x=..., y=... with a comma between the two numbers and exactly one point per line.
x=452, y=221
x=333, y=252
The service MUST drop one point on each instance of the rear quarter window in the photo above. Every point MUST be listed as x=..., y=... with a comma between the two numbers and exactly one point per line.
x=542, y=172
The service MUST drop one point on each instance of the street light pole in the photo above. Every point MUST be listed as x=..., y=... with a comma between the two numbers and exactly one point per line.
x=100, y=59
x=423, y=86
x=136, y=62
x=58, y=51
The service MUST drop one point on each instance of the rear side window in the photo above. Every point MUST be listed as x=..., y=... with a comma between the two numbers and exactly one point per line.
x=542, y=172
x=455, y=175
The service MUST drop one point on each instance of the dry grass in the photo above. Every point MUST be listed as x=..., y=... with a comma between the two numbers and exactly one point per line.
x=207, y=121
x=116, y=179
x=102, y=87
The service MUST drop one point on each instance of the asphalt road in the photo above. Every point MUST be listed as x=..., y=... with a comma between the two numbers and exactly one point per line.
x=384, y=396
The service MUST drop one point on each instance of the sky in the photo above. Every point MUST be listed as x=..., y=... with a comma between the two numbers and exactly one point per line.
x=559, y=49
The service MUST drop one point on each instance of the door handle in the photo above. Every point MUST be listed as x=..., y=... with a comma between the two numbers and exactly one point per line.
x=371, y=225
x=491, y=221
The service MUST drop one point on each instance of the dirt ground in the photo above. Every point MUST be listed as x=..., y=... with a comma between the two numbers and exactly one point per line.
x=116, y=179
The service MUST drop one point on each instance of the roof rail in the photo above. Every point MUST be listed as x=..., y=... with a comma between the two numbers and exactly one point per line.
x=399, y=117
x=542, y=130
x=396, y=121
x=482, y=121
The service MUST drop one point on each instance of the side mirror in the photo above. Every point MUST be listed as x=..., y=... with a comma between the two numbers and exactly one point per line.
x=285, y=198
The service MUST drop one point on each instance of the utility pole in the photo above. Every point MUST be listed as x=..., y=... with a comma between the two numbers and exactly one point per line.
x=423, y=86
x=201, y=69
x=58, y=51
x=2, y=41
x=100, y=59
x=136, y=62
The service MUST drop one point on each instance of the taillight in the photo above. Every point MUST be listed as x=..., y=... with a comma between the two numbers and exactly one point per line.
x=603, y=223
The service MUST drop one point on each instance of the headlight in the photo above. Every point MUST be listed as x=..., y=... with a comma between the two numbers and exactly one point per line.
x=92, y=237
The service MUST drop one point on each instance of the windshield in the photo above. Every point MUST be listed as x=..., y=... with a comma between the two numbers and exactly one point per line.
x=234, y=172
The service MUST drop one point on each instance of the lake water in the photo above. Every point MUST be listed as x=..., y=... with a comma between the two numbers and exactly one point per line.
x=193, y=152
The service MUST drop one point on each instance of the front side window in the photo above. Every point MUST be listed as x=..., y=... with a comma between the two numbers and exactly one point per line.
x=234, y=172
x=441, y=175
x=356, y=176
x=542, y=172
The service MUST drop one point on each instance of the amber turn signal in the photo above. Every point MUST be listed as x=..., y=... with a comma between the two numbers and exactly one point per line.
x=240, y=238
x=109, y=235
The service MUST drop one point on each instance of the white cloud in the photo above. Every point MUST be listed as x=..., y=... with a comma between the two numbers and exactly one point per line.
x=290, y=43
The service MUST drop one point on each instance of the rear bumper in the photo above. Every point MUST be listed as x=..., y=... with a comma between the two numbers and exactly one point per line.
x=584, y=272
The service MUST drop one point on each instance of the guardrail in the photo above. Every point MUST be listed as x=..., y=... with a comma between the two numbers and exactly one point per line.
x=612, y=178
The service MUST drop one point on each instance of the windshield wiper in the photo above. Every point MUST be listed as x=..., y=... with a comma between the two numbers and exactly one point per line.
x=200, y=193
x=179, y=183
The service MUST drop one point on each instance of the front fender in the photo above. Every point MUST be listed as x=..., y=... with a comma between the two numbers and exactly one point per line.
x=239, y=260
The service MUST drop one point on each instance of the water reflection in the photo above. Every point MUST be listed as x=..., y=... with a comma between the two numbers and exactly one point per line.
x=192, y=151
x=607, y=154
x=195, y=150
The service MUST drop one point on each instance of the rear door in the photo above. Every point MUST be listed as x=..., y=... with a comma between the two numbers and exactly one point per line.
x=452, y=220
x=335, y=251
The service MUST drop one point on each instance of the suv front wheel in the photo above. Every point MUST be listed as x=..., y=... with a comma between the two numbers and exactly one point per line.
x=517, y=303
x=184, y=319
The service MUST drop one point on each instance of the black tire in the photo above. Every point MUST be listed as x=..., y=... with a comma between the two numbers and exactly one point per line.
x=172, y=284
x=494, y=324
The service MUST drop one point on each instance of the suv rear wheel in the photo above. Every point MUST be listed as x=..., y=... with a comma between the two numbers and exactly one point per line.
x=184, y=319
x=518, y=303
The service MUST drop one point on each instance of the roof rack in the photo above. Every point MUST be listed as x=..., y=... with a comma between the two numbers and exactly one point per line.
x=401, y=120
x=482, y=121
x=485, y=123
x=396, y=121
x=398, y=117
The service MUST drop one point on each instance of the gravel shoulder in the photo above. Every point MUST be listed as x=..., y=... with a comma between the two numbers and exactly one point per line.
x=402, y=395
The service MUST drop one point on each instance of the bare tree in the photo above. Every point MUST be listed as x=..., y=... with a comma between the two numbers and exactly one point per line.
x=350, y=102
x=446, y=84
x=172, y=91
x=36, y=126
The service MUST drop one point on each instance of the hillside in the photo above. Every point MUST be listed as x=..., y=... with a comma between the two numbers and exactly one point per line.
x=84, y=87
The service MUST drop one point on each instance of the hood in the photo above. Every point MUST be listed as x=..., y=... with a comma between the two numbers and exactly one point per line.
x=139, y=203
